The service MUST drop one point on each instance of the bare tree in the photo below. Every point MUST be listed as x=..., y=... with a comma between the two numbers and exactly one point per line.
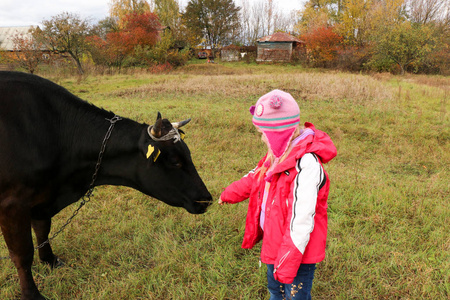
x=269, y=11
x=262, y=18
x=244, y=16
x=284, y=22
x=427, y=11
x=259, y=20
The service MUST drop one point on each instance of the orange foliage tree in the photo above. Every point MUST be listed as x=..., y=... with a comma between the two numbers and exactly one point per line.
x=322, y=45
x=140, y=30
x=109, y=52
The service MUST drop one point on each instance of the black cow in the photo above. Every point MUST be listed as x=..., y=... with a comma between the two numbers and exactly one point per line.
x=50, y=144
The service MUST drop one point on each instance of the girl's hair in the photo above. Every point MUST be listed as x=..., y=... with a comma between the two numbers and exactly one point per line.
x=260, y=172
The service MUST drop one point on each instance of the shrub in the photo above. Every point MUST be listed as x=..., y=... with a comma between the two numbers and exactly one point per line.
x=160, y=68
x=322, y=45
x=178, y=58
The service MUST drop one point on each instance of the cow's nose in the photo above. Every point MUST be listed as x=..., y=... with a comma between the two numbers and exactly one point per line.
x=204, y=204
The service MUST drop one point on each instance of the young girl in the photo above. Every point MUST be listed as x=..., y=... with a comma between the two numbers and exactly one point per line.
x=287, y=193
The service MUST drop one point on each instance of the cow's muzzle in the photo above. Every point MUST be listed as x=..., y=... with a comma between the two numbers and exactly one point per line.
x=199, y=206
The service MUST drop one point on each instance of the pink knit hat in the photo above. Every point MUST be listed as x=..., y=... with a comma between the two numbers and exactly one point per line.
x=277, y=115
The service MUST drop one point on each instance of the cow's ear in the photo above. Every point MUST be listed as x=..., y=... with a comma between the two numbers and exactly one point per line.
x=152, y=152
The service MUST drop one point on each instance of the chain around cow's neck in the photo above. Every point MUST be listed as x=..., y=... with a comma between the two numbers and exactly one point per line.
x=87, y=197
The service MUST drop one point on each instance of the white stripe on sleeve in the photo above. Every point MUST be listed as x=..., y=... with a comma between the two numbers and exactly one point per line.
x=307, y=183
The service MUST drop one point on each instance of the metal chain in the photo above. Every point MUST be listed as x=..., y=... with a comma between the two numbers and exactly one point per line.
x=87, y=197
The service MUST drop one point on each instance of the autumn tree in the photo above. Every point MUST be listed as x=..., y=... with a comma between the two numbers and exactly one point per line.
x=168, y=12
x=141, y=30
x=120, y=9
x=216, y=21
x=410, y=34
x=317, y=14
x=170, y=15
x=405, y=45
x=104, y=26
x=435, y=15
x=322, y=44
x=354, y=21
x=66, y=33
x=110, y=52
x=385, y=14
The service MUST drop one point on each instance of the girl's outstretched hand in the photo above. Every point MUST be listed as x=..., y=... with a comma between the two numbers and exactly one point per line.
x=221, y=202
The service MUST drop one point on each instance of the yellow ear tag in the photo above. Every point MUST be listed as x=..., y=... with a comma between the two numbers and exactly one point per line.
x=150, y=150
x=182, y=135
x=156, y=156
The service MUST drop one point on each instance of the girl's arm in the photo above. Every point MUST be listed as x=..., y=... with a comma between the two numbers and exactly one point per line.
x=239, y=190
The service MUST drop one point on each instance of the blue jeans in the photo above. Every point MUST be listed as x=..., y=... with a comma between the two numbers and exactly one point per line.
x=300, y=289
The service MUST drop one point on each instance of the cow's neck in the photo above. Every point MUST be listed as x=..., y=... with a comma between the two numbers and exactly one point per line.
x=85, y=143
x=122, y=150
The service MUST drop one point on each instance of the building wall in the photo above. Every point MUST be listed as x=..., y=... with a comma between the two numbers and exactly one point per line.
x=274, y=51
x=229, y=55
x=7, y=34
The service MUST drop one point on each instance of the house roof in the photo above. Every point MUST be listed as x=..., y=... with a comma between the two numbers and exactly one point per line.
x=280, y=37
x=7, y=33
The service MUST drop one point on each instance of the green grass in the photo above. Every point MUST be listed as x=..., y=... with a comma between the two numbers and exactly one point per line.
x=388, y=204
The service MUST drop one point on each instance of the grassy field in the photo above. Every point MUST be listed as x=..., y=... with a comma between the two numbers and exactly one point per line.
x=388, y=206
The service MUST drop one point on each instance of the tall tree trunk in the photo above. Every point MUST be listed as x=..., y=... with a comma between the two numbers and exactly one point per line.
x=402, y=69
x=78, y=62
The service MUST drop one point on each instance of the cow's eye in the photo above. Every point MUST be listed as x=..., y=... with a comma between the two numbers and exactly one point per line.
x=176, y=163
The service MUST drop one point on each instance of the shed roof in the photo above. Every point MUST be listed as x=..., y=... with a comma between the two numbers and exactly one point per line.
x=280, y=37
x=7, y=33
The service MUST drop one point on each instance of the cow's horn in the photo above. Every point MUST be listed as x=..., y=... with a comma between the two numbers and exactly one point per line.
x=180, y=124
x=156, y=129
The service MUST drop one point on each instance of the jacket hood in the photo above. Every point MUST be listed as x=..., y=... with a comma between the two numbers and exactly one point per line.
x=319, y=143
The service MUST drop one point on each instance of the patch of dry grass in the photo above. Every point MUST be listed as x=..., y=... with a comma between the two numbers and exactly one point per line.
x=358, y=89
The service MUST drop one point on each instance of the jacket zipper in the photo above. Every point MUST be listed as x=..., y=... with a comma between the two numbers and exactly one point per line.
x=281, y=261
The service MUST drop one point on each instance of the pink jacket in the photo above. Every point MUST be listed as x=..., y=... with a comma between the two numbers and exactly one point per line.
x=295, y=227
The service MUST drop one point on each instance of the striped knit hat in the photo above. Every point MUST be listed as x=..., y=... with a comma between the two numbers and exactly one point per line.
x=277, y=115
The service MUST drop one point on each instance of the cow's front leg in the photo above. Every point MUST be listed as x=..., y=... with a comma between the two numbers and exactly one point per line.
x=15, y=222
x=42, y=229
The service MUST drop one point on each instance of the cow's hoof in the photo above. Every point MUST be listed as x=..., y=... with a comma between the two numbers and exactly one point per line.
x=56, y=262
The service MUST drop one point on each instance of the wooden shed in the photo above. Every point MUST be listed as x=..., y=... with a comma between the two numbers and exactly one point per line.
x=277, y=47
x=236, y=53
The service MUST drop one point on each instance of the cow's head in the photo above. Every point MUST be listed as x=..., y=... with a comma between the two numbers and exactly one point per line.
x=170, y=174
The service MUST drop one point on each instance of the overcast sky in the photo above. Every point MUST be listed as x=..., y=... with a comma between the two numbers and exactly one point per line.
x=32, y=12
